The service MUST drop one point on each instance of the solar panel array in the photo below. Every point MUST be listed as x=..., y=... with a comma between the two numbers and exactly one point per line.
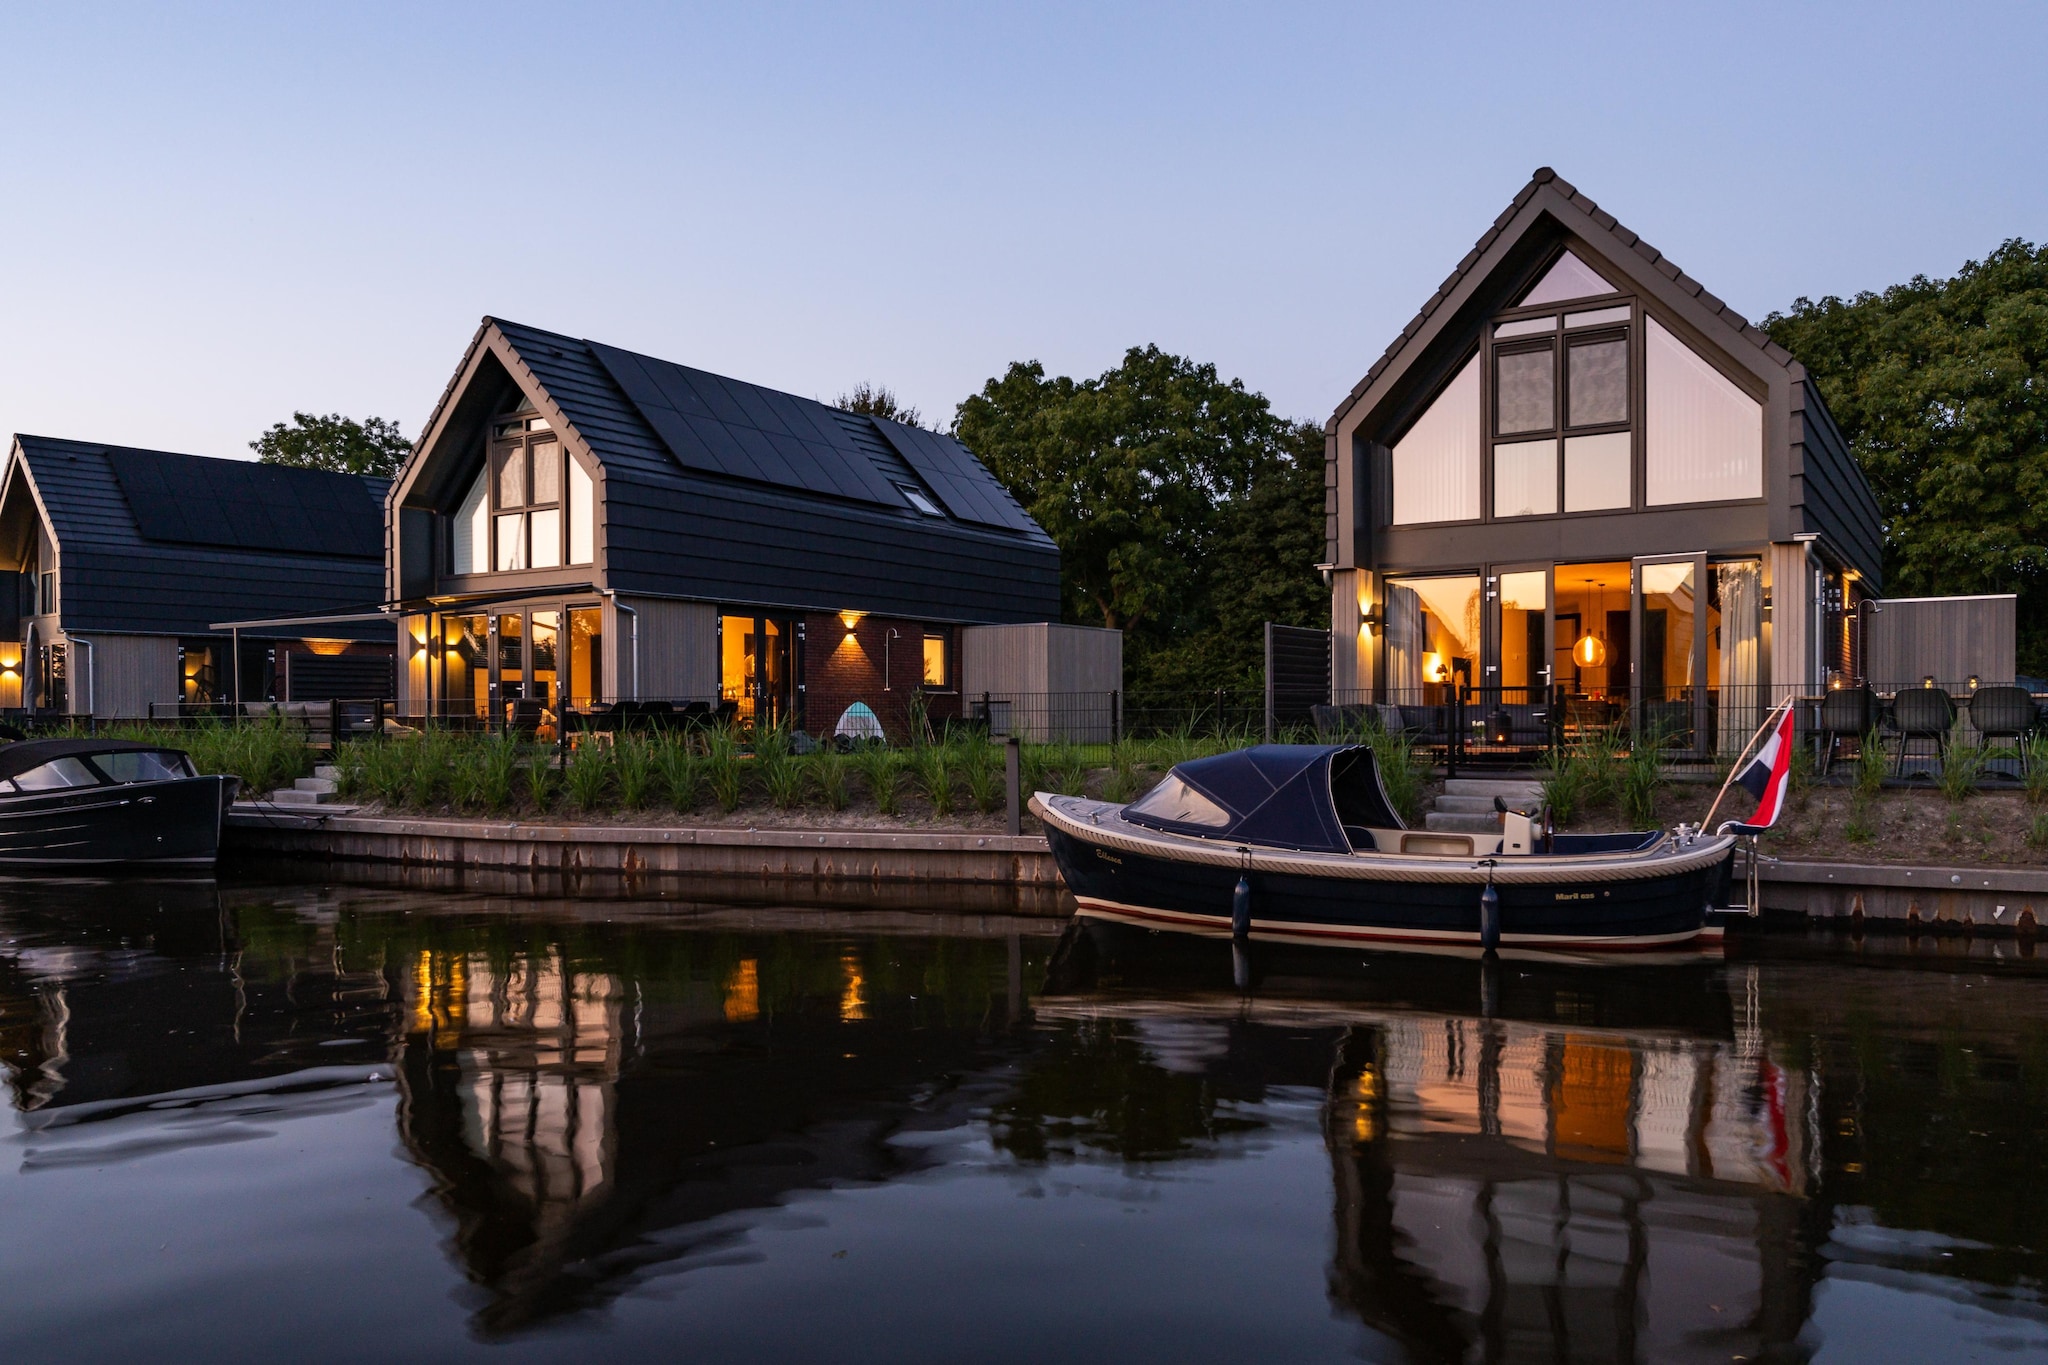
x=722, y=426
x=238, y=504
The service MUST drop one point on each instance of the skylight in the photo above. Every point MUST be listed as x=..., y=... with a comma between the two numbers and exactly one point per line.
x=915, y=496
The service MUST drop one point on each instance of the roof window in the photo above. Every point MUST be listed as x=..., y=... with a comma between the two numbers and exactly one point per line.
x=915, y=496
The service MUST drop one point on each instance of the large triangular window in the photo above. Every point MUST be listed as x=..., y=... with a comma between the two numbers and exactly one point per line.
x=1569, y=278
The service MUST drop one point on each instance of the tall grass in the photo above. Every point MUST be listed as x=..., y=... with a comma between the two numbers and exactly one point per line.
x=722, y=769
x=541, y=780
x=1402, y=770
x=588, y=777
x=882, y=770
x=633, y=764
x=1961, y=766
x=1564, y=784
x=681, y=772
x=931, y=770
x=1870, y=766
x=829, y=770
x=984, y=771
x=266, y=754
x=1640, y=777
x=2036, y=769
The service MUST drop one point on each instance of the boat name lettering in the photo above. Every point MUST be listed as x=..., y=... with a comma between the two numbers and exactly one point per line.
x=1109, y=858
x=1573, y=896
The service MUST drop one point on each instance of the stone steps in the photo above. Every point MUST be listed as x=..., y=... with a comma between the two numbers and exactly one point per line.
x=1466, y=804
x=318, y=790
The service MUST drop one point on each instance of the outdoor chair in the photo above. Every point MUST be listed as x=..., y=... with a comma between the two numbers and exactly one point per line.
x=1922, y=713
x=1845, y=713
x=2004, y=713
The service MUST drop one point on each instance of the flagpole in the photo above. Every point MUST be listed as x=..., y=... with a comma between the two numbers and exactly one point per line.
x=1762, y=730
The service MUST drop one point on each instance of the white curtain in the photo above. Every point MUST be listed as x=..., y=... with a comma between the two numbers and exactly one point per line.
x=1742, y=614
x=1405, y=645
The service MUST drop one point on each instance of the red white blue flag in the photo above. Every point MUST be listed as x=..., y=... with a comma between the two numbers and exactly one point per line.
x=1767, y=776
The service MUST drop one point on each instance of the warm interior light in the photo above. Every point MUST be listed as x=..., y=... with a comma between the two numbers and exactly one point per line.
x=341, y=646
x=1973, y=682
x=1927, y=681
x=1590, y=651
x=1433, y=668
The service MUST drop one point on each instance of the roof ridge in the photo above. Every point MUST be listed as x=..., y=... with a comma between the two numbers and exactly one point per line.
x=1541, y=177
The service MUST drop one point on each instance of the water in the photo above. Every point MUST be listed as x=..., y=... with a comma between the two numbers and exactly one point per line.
x=332, y=1123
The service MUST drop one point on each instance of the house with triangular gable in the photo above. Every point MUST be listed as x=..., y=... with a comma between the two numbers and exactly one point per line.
x=581, y=525
x=1580, y=488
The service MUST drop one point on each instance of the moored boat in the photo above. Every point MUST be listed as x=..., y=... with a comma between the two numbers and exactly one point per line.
x=1299, y=844
x=107, y=804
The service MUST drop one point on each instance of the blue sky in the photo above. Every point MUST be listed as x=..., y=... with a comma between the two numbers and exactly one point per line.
x=213, y=215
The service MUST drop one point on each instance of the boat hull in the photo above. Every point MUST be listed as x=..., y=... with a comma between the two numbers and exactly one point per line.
x=1658, y=909
x=174, y=823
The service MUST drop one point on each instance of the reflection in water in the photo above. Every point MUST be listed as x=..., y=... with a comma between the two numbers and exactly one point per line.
x=1526, y=1160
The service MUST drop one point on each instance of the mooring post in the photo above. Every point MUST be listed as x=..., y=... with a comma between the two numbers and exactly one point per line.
x=1012, y=781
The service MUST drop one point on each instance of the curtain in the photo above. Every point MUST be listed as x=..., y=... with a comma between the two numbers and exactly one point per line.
x=1405, y=645
x=1742, y=616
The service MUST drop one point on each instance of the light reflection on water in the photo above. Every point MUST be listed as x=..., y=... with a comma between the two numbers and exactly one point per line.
x=356, y=1122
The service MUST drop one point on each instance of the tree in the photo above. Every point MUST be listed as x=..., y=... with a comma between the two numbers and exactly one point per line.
x=1941, y=388
x=876, y=400
x=1178, y=501
x=336, y=443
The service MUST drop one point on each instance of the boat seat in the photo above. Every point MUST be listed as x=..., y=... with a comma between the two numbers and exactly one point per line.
x=1361, y=839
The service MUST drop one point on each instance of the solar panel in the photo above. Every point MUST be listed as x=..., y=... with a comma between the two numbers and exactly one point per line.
x=236, y=504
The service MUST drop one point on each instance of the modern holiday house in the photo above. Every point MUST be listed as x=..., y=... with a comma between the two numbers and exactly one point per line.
x=1577, y=470
x=130, y=573
x=584, y=525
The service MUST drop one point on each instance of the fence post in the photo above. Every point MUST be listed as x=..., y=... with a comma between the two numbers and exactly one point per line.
x=1116, y=707
x=1455, y=739
x=334, y=725
x=1012, y=783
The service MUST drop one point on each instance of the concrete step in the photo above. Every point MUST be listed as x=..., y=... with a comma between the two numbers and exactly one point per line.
x=292, y=796
x=322, y=785
x=1454, y=823
x=1474, y=805
x=1490, y=787
x=327, y=770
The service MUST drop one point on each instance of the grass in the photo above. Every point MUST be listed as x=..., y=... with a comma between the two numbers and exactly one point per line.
x=1961, y=766
x=931, y=772
x=984, y=770
x=589, y=777
x=633, y=761
x=882, y=770
x=681, y=772
x=1640, y=777
x=1870, y=766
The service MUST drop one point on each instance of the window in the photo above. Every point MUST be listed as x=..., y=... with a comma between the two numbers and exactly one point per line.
x=46, y=593
x=143, y=765
x=471, y=533
x=586, y=656
x=1432, y=627
x=529, y=528
x=1563, y=439
x=1703, y=437
x=1569, y=278
x=57, y=774
x=917, y=499
x=1177, y=803
x=1436, y=464
x=938, y=659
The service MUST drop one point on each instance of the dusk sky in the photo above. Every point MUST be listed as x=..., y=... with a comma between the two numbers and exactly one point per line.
x=213, y=215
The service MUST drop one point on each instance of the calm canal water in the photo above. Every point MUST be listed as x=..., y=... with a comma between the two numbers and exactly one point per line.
x=334, y=1123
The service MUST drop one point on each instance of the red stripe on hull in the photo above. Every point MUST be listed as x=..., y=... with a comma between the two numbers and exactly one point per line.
x=1706, y=933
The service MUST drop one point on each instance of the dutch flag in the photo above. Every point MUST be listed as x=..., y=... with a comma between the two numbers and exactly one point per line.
x=1766, y=777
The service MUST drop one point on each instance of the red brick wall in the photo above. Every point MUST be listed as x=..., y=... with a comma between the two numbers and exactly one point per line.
x=842, y=667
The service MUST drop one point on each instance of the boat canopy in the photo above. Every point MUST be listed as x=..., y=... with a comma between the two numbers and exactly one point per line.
x=16, y=759
x=1299, y=796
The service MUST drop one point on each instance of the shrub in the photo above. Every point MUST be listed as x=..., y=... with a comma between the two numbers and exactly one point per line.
x=882, y=770
x=1961, y=766
x=830, y=771
x=931, y=767
x=681, y=771
x=633, y=762
x=588, y=776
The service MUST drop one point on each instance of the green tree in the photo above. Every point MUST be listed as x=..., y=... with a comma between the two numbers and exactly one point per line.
x=336, y=443
x=1941, y=387
x=1179, y=500
x=877, y=400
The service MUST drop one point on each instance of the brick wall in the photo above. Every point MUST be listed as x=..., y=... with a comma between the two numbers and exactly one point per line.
x=842, y=667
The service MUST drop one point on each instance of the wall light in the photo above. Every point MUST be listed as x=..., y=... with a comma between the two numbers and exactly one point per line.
x=851, y=619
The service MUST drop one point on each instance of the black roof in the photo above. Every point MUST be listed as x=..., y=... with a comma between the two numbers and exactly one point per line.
x=152, y=542
x=721, y=490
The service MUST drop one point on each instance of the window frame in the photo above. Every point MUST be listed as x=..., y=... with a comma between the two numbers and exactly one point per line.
x=946, y=636
x=1559, y=342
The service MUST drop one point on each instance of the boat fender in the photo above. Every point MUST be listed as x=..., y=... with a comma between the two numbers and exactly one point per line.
x=1489, y=914
x=1241, y=908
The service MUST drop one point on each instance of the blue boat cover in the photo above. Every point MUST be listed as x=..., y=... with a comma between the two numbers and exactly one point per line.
x=1298, y=796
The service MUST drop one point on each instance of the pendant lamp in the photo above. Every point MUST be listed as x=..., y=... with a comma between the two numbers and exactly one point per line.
x=1590, y=651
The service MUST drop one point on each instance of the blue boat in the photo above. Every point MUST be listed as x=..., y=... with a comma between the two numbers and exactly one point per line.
x=1297, y=843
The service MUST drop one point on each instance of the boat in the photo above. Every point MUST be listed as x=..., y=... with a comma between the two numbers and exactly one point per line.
x=1297, y=843
x=107, y=804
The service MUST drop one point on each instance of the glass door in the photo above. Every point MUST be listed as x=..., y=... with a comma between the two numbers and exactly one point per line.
x=1516, y=687
x=758, y=657
x=1669, y=692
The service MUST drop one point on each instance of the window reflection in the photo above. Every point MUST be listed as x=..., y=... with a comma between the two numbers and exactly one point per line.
x=1432, y=629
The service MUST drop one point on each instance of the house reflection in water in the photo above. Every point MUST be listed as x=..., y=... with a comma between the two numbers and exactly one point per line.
x=1508, y=1191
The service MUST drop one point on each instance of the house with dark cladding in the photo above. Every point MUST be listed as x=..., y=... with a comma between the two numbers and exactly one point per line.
x=1577, y=478
x=580, y=525
x=127, y=570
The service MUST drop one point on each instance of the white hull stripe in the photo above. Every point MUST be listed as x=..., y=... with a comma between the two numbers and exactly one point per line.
x=1291, y=931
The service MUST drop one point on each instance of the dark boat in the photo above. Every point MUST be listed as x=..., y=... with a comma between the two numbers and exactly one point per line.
x=1298, y=843
x=107, y=803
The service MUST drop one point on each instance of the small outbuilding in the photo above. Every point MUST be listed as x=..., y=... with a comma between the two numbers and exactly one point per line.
x=125, y=568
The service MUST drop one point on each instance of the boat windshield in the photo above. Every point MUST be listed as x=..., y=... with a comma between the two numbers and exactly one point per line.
x=57, y=773
x=143, y=765
x=1175, y=800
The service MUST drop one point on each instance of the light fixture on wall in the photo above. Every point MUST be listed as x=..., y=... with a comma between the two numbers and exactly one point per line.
x=1927, y=681
x=1367, y=622
x=1973, y=682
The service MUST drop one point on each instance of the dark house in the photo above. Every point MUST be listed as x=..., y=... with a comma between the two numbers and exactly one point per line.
x=125, y=567
x=580, y=524
x=1577, y=468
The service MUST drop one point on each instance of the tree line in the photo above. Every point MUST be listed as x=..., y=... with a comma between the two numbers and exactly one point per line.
x=1188, y=512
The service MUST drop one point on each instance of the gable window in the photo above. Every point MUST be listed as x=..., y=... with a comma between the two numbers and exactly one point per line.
x=1703, y=437
x=532, y=506
x=1561, y=420
x=1436, y=463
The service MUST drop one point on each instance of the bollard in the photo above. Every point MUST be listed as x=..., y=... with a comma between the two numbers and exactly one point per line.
x=1011, y=778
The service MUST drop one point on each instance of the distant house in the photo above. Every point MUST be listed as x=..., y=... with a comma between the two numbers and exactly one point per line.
x=1577, y=469
x=580, y=524
x=126, y=566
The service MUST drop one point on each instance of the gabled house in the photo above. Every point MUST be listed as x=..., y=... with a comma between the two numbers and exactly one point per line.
x=125, y=568
x=580, y=525
x=1576, y=475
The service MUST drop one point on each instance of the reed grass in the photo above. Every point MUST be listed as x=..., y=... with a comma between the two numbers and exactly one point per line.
x=1870, y=765
x=1961, y=766
x=681, y=772
x=931, y=771
x=588, y=777
x=882, y=770
x=542, y=782
x=633, y=767
x=829, y=772
x=723, y=772
x=984, y=772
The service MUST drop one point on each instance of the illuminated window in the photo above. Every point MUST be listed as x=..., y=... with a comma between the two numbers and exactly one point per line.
x=938, y=669
x=1436, y=463
x=1704, y=441
x=527, y=497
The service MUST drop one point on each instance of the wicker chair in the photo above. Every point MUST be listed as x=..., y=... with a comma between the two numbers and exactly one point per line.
x=2004, y=713
x=1845, y=713
x=1922, y=713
